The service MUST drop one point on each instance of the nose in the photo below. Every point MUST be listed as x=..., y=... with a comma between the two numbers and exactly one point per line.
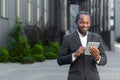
x=85, y=24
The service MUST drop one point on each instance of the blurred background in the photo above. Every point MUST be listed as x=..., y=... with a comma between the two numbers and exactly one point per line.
x=61, y=15
x=32, y=31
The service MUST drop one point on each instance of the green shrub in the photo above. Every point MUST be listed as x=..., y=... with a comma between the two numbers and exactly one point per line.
x=14, y=59
x=27, y=60
x=56, y=46
x=37, y=49
x=52, y=47
x=19, y=49
x=4, y=55
x=50, y=55
x=17, y=30
x=39, y=57
x=18, y=46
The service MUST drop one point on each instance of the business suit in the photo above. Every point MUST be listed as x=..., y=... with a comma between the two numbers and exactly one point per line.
x=84, y=67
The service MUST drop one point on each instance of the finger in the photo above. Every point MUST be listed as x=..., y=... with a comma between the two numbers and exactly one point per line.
x=96, y=49
x=96, y=53
x=92, y=49
x=81, y=50
x=93, y=52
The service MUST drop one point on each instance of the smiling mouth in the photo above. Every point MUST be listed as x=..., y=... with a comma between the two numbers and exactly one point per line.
x=84, y=29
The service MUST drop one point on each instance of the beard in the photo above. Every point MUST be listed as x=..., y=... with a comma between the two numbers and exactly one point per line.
x=83, y=31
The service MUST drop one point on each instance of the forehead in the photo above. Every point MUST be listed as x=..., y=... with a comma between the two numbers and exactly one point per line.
x=84, y=17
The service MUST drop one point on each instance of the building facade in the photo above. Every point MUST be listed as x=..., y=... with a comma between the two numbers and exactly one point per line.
x=60, y=13
x=40, y=12
x=117, y=19
x=102, y=18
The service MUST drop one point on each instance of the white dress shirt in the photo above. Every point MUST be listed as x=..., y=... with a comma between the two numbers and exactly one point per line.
x=83, y=40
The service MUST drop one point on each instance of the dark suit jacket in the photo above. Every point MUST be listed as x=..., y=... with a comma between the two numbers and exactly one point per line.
x=84, y=67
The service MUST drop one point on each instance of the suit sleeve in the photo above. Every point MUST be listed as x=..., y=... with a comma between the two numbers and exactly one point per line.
x=65, y=57
x=103, y=60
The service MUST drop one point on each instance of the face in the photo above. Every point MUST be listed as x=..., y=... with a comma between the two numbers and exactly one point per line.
x=83, y=23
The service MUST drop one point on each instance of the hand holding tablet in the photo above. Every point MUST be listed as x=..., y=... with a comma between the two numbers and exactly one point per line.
x=95, y=44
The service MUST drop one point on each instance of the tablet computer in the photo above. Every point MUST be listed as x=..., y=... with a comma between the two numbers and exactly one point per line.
x=96, y=44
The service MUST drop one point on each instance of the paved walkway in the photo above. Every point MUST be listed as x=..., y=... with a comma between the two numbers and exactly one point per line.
x=112, y=70
x=49, y=70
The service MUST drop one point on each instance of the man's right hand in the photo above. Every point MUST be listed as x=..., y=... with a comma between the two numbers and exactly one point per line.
x=80, y=51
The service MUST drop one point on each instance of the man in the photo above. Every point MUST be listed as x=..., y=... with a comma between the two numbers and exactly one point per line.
x=82, y=66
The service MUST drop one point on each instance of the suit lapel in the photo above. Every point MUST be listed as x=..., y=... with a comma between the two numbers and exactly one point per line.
x=76, y=38
x=90, y=37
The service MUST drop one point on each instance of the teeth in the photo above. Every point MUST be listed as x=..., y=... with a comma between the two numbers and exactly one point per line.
x=85, y=29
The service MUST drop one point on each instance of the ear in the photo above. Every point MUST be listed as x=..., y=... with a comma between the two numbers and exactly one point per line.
x=77, y=23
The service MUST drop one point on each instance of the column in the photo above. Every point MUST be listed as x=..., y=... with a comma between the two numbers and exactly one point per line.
x=38, y=12
x=29, y=11
x=65, y=15
x=4, y=8
x=18, y=8
x=101, y=15
x=46, y=12
x=41, y=13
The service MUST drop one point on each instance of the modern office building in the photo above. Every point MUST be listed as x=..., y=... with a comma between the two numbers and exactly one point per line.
x=117, y=19
x=40, y=12
x=102, y=16
x=57, y=12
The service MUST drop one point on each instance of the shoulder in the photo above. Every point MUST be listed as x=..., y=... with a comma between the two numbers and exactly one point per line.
x=94, y=34
x=71, y=35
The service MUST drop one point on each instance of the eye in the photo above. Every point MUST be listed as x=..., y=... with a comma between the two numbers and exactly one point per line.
x=87, y=23
x=81, y=22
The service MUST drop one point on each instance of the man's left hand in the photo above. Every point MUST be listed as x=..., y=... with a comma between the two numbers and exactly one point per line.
x=95, y=52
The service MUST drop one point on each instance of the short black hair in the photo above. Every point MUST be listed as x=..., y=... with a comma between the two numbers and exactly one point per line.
x=80, y=13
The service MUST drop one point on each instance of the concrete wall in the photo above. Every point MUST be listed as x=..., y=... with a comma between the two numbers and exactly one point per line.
x=4, y=29
x=11, y=12
x=7, y=23
x=117, y=18
x=24, y=11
